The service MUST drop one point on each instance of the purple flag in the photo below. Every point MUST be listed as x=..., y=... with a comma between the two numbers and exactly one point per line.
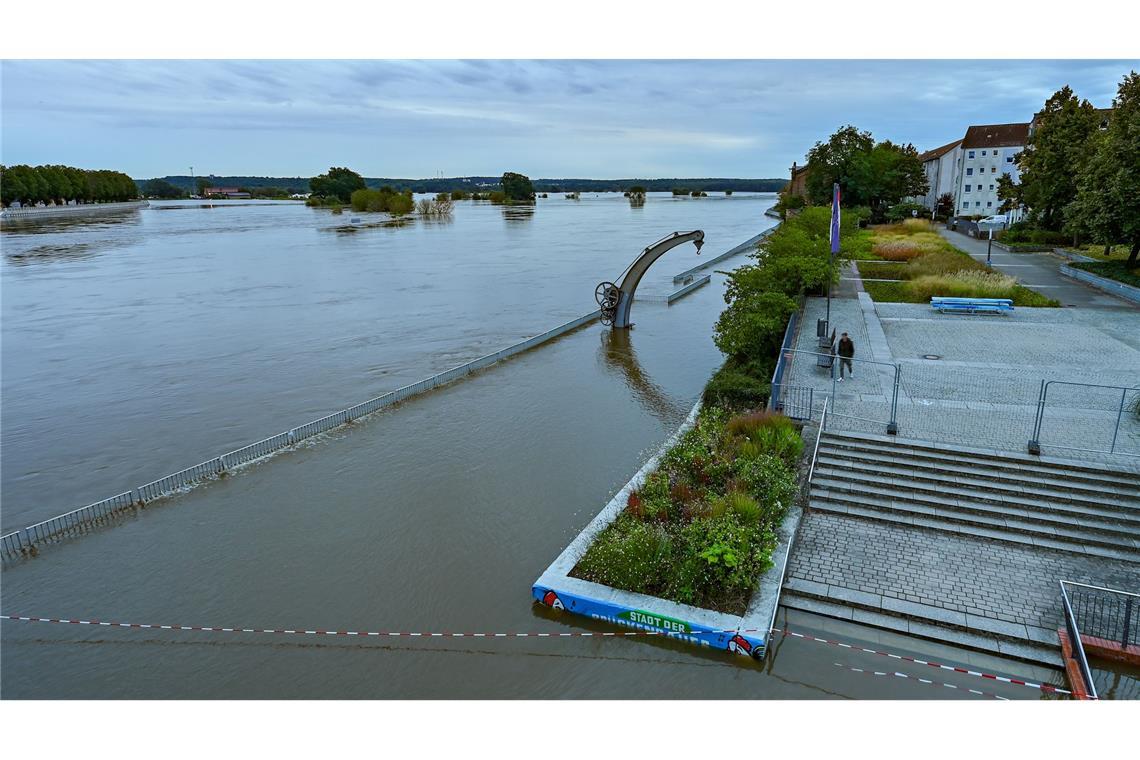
x=835, y=219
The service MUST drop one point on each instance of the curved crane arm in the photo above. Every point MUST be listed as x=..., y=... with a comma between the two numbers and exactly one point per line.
x=632, y=276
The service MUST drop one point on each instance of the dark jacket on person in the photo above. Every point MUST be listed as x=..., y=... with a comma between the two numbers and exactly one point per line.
x=846, y=348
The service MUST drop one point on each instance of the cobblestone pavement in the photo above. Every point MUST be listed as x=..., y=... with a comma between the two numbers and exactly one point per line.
x=984, y=388
x=973, y=576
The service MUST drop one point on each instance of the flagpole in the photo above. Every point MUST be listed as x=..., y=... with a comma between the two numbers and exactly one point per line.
x=834, y=244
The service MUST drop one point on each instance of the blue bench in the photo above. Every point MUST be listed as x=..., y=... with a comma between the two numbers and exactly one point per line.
x=971, y=305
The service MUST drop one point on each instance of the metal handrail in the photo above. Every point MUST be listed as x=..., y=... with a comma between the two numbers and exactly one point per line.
x=784, y=566
x=1076, y=644
x=818, y=435
x=1101, y=588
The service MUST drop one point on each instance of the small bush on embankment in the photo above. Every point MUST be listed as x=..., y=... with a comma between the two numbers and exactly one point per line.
x=702, y=528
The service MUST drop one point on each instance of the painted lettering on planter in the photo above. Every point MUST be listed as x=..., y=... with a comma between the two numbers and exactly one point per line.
x=657, y=621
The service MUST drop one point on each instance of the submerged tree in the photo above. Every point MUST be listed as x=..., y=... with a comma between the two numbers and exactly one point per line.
x=517, y=187
x=339, y=182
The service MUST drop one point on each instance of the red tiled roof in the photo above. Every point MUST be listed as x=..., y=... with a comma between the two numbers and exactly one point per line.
x=930, y=155
x=996, y=135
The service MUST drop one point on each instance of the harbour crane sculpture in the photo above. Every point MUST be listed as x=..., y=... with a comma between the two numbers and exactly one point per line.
x=617, y=300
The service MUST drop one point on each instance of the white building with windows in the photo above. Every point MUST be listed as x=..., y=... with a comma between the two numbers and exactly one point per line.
x=940, y=166
x=987, y=152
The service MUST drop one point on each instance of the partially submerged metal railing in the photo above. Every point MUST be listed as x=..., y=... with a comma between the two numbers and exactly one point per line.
x=1104, y=613
x=22, y=542
x=1076, y=648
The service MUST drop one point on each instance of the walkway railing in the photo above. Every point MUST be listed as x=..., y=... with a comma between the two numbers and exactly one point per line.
x=1105, y=613
x=1076, y=648
x=23, y=542
x=783, y=363
x=751, y=243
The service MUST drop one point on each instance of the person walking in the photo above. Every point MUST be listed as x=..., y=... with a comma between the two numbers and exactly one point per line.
x=846, y=354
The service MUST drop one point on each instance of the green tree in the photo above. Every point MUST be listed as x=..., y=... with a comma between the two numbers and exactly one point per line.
x=160, y=188
x=877, y=175
x=1058, y=149
x=836, y=160
x=202, y=183
x=1107, y=202
x=339, y=183
x=517, y=187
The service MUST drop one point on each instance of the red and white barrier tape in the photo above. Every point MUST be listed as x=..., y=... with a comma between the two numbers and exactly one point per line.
x=538, y=635
x=905, y=658
x=897, y=674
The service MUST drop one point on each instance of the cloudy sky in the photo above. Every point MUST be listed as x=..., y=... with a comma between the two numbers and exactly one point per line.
x=602, y=119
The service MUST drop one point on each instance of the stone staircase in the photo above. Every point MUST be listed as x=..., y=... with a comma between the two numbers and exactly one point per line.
x=1058, y=504
x=1090, y=512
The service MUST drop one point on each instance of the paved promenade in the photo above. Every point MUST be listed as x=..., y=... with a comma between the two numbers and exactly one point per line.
x=983, y=387
x=1037, y=271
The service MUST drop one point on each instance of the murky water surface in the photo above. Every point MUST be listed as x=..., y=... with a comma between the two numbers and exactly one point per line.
x=137, y=345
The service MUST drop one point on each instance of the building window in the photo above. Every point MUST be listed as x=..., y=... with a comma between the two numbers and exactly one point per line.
x=983, y=153
x=970, y=154
x=989, y=204
x=968, y=188
x=1009, y=159
x=993, y=169
x=970, y=172
x=977, y=204
x=991, y=187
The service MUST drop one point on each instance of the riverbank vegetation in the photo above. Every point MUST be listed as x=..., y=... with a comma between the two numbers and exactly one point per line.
x=702, y=528
x=62, y=185
x=910, y=262
x=383, y=200
x=793, y=261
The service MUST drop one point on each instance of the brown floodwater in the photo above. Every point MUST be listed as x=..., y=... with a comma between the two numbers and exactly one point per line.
x=167, y=337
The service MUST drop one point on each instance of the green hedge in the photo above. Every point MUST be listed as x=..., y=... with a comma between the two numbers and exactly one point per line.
x=1114, y=270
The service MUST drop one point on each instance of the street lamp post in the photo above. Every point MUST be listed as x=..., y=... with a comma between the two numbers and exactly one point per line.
x=989, y=246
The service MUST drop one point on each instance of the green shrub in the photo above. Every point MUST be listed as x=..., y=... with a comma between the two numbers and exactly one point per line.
x=718, y=562
x=771, y=481
x=901, y=211
x=735, y=387
x=629, y=554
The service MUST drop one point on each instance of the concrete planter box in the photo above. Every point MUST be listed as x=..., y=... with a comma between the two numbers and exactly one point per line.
x=745, y=635
x=1103, y=283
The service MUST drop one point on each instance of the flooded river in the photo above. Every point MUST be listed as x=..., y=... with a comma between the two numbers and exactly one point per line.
x=136, y=346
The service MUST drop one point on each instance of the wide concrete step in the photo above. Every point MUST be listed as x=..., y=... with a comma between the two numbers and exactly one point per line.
x=982, y=513
x=1024, y=501
x=1026, y=643
x=1123, y=479
x=948, y=519
x=1002, y=481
